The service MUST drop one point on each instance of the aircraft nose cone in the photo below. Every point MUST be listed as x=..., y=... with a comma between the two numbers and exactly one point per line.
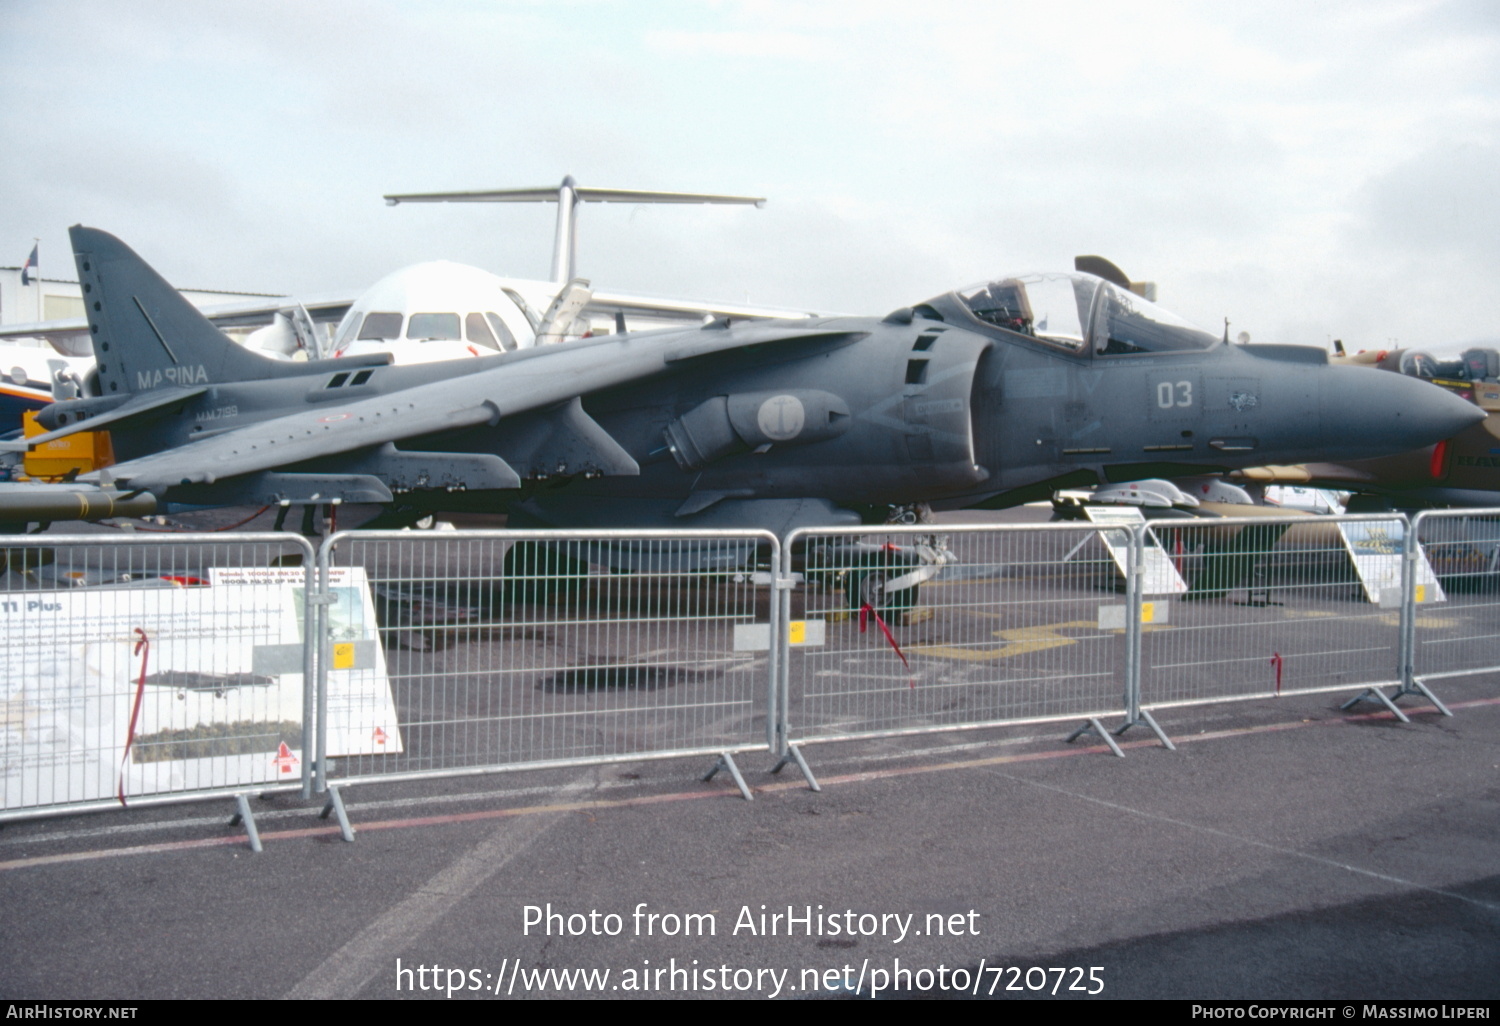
x=1379, y=413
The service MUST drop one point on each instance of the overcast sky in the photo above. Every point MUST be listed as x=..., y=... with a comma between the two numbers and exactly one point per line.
x=1307, y=170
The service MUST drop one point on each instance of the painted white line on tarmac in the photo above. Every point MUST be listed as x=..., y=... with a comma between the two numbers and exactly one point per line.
x=1242, y=839
x=349, y=969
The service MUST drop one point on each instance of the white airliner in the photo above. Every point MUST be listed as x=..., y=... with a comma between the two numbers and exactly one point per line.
x=431, y=311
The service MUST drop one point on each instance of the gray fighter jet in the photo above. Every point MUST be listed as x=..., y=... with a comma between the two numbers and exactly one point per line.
x=986, y=396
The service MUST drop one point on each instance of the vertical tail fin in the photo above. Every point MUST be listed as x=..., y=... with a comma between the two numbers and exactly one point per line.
x=145, y=334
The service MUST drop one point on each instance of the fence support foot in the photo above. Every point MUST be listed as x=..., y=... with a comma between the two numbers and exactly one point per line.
x=1147, y=719
x=1416, y=687
x=1376, y=695
x=1092, y=725
x=726, y=762
x=245, y=816
x=793, y=754
x=336, y=806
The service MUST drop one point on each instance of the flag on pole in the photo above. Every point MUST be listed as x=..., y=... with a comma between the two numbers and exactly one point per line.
x=28, y=271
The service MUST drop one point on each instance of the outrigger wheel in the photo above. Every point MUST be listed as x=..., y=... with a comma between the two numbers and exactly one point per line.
x=866, y=585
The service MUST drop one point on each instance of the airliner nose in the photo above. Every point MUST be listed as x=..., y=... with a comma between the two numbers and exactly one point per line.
x=1378, y=413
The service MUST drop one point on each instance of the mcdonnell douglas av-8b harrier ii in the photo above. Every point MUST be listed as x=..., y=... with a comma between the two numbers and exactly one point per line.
x=986, y=396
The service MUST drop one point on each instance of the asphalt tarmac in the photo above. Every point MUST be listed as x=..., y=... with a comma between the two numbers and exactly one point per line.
x=1286, y=849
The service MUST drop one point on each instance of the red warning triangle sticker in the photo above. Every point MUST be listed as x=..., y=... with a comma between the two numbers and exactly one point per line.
x=379, y=736
x=285, y=761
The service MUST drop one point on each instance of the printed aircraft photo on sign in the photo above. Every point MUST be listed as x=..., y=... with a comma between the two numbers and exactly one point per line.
x=986, y=396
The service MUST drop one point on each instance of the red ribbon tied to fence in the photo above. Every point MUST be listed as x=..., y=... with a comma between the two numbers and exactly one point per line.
x=1276, y=662
x=142, y=649
x=866, y=611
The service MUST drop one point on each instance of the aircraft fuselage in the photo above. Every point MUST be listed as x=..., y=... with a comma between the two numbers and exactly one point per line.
x=872, y=414
x=986, y=396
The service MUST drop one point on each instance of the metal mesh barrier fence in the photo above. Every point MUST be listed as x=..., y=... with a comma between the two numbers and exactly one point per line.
x=995, y=625
x=486, y=650
x=1456, y=627
x=1276, y=605
x=144, y=668
x=167, y=667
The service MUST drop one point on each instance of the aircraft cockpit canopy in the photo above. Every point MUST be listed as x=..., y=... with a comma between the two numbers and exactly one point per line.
x=1127, y=323
x=1473, y=364
x=1082, y=313
x=1054, y=307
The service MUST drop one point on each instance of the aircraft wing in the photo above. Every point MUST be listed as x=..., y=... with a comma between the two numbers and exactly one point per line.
x=620, y=302
x=502, y=387
x=324, y=309
x=71, y=335
x=68, y=336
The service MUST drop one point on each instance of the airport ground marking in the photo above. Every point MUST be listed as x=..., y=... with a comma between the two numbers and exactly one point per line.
x=1018, y=641
x=1021, y=640
x=350, y=969
x=1157, y=817
x=597, y=804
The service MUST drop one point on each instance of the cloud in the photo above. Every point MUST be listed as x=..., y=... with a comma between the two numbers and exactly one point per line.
x=1442, y=201
x=1284, y=163
x=746, y=45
